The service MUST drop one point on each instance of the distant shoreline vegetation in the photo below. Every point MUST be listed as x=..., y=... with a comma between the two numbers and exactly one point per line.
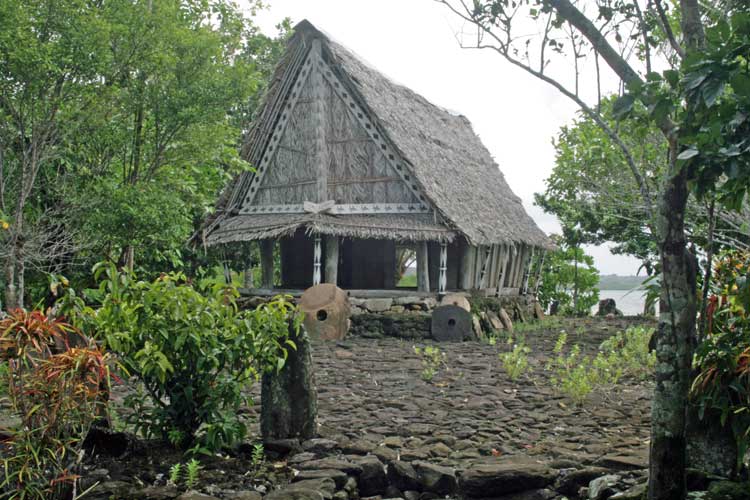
x=615, y=282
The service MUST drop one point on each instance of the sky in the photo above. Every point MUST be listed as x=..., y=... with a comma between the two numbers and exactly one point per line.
x=414, y=42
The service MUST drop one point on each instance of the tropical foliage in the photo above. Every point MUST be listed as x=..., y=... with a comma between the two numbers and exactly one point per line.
x=193, y=351
x=119, y=124
x=569, y=281
x=58, y=386
x=723, y=359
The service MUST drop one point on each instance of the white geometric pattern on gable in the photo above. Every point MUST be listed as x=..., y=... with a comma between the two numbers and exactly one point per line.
x=313, y=63
x=356, y=111
x=269, y=153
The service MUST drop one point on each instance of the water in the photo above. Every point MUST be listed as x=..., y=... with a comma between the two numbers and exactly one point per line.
x=630, y=302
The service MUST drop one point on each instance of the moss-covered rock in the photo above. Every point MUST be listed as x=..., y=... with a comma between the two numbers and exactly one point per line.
x=407, y=325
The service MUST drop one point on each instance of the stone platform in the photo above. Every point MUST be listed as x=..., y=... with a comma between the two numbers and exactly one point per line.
x=470, y=431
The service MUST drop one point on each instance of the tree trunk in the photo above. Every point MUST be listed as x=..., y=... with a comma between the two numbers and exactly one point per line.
x=14, y=265
x=10, y=279
x=674, y=342
x=575, y=281
x=20, y=279
x=289, y=402
x=676, y=336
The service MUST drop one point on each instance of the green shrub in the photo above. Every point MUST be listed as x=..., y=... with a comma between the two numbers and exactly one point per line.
x=536, y=326
x=629, y=352
x=570, y=372
x=193, y=351
x=624, y=354
x=432, y=359
x=516, y=361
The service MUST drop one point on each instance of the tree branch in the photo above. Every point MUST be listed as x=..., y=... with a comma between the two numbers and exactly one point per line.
x=619, y=65
x=668, y=29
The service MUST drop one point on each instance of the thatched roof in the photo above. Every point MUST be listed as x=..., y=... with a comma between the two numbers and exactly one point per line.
x=376, y=226
x=449, y=162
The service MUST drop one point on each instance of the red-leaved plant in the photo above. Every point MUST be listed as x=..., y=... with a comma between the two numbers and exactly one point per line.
x=58, y=392
x=723, y=358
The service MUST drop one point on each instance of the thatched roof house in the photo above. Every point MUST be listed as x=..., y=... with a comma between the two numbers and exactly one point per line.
x=350, y=165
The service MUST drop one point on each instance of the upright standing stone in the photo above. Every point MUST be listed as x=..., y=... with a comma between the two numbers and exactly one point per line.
x=289, y=401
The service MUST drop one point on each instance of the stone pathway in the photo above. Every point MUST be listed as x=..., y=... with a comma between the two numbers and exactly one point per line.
x=371, y=397
x=469, y=433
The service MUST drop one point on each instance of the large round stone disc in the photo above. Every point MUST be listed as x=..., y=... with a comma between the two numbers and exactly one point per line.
x=319, y=296
x=451, y=324
x=326, y=309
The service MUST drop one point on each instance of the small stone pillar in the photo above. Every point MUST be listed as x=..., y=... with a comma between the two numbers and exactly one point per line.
x=289, y=400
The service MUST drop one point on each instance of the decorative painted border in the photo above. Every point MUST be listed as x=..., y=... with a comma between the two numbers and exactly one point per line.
x=362, y=208
x=268, y=154
x=359, y=114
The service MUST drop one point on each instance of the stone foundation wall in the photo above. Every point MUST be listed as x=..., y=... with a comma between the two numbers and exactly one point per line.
x=411, y=317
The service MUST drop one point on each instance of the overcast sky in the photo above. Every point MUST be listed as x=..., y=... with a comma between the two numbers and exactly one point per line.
x=414, y=43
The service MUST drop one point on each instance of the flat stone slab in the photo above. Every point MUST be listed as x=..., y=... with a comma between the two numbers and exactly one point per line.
x=487, y=480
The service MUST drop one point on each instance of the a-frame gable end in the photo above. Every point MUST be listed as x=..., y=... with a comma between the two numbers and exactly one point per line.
x=391, y=156
x=270, y=152
x=359, y=170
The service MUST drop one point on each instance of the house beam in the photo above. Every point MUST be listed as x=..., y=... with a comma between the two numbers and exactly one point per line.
x=527, y=272
x=503, y=266
x=485, y=267
x=538, y=280
x=320, y=114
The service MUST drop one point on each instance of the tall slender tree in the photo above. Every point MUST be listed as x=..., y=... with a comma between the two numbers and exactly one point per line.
x=681, y=102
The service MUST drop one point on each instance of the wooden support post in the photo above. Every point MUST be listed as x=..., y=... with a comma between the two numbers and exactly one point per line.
x=248, y=282
x=332, y=260
x=485, y=266
x=443, y=281
x=492, y=270
x=513, y=257
x=538, y=281
x=519, y=267
x=466, y=276
x=316, y=261
x=266, y=263
x=423, y=271
x=527, y=272
x=501, y=268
